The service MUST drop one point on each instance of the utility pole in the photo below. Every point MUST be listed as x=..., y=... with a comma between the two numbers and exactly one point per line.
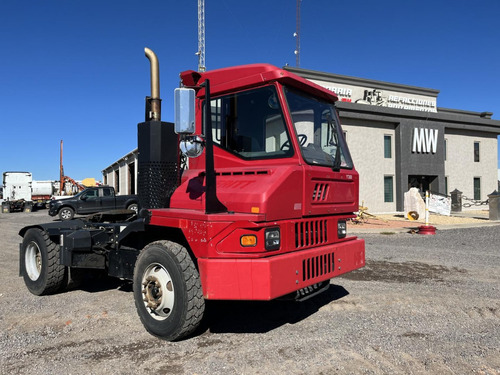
x=61, y=170
x=201, y=36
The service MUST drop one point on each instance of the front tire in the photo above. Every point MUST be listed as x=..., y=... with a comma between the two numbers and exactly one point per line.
x=40, y=266
x=66, y=213
x=167, y=291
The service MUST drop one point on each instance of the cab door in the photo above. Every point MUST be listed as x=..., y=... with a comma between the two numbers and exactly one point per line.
x=108, y=200
x=89, y=202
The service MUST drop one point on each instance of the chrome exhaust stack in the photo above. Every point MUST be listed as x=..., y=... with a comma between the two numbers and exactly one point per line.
x=153, y=102
x=158, y=146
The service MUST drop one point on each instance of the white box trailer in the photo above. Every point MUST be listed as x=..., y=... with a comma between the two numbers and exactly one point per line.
x=17, y=193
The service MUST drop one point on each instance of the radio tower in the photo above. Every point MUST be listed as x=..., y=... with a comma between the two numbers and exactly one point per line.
x=297, y=37
x=201, y=36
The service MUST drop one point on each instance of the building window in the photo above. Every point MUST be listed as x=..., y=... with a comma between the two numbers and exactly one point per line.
x=387, y=146
x=445, y=149
x=476, y=152
x=477, y=188
x=446, y=185
x=388, y=189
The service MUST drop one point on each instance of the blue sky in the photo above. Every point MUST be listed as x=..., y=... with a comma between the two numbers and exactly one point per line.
x=76, y=71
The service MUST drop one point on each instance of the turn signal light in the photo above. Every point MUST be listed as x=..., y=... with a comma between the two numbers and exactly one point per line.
x=248, y=240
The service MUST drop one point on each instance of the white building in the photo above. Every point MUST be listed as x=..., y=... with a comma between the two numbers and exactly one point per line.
x=399, y=138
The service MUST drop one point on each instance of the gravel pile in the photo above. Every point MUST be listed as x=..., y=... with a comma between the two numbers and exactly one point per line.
x=422, y=305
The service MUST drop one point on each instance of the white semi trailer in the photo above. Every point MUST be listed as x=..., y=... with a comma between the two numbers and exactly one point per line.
x=21, y=193
x=17, y=192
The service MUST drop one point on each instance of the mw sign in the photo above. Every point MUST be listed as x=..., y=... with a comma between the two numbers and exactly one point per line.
x=425, y=140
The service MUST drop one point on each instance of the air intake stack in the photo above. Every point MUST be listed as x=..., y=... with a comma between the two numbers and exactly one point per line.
x=158, y=146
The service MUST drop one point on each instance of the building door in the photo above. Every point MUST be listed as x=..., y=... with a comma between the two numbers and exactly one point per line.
x=423, y=183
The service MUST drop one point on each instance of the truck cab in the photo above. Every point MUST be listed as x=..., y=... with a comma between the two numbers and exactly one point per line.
x=285, y=185
x=275, y=147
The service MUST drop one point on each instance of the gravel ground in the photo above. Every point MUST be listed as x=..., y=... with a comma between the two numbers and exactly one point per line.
x=422, y=305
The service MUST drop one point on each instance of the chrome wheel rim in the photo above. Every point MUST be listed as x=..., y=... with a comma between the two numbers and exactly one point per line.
x=33, y=261
x=65, y=214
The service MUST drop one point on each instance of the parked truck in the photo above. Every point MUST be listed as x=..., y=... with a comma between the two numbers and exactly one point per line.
x=22, y=193
x=17, y=192
x=92, y=200
x=260, y=214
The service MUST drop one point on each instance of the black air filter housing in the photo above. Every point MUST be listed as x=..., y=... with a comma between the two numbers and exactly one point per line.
x=159, y=163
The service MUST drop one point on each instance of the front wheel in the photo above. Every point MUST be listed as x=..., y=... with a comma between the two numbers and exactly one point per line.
x=167, y=291
x=40, y=267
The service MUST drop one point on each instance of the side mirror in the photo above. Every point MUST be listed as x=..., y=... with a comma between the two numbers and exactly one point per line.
x=184, y=111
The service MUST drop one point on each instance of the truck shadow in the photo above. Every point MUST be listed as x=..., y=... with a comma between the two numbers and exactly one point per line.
x=263, y=316
x=93, y=281
x=230, y=316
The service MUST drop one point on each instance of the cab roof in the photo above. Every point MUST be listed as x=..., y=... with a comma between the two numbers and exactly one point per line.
x=248, y=76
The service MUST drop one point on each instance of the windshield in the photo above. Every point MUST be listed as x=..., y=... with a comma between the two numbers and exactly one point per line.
x=318, y=130
x=250, y=124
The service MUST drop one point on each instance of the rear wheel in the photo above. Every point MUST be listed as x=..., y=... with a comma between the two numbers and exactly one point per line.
x=40, y=266
x=66, y=213
x=167, y=291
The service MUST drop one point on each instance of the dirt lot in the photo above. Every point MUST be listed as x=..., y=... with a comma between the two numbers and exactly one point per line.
x=423, y=304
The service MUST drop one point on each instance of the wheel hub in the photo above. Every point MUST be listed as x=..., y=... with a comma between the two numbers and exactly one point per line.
x=158, y=291
x=152, y=292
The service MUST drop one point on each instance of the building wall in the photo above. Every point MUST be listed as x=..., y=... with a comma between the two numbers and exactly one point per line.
x=366, y=143
x=122, y=174
x=423, y=159
x=460, y=167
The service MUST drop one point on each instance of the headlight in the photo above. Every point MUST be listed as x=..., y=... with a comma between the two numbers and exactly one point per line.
x=341, y=228
x=273, y=238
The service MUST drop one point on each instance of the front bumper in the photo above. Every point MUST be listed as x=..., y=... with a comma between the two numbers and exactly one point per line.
x=276, y=276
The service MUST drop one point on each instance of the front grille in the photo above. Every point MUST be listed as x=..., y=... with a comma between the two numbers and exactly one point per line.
x=318, y=266
x=311, y=233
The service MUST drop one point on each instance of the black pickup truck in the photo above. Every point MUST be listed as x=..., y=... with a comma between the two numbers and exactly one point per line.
x=92, y=200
